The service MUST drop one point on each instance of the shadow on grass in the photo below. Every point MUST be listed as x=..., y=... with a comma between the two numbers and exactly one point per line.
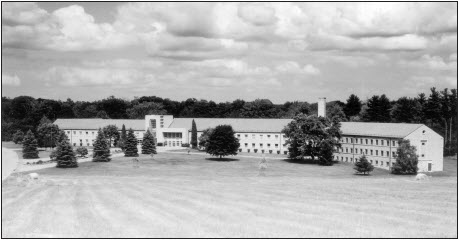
x=222, y=159
x=300, y=161
x=363, y=175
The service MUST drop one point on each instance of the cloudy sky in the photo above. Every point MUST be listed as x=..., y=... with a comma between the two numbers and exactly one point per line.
x=225, y=51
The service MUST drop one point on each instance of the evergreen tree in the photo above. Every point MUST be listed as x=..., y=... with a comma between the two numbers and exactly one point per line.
x=29, y=146
x=65, y=156
x=148, y=143
x=406, y=160
x=101, y=148
x=18, y=136
x=131, y=145
x=378, y=109
x=222, y=141
x=353, y=106
x=122, y=142
x=194, y=135
x=363, y=165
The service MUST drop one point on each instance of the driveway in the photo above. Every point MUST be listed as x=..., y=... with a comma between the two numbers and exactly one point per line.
x=9, y=162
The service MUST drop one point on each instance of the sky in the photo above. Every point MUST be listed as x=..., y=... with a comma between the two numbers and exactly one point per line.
x=226, y=51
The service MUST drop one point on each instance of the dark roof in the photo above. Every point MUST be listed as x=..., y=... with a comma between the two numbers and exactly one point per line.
x=96, y=123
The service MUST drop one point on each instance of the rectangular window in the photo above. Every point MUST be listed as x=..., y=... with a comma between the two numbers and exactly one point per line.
x=352, y=140
x=352, y=150
x=347, y=140
x=376, y=152
x=261, y=145
x=366, y=141
x=361, y=141
x=74, y=132
x=68, y=132
x=371, y=141
x=246, y=144
x=346, y=150
x=261, y=136
x=366, y=151
x=80, y=132
x=269, y=136
x=371, y=152
x=387, y=164
x=86, y=133
x=269, y=145
x=376, y=162
x=253, y=144
x=239, y=135
x=276, y=136
x=376, y=141
x=393, y=143
x=277, y=145
x=361, y=151
x=253, y=136
x=387, y=153
x=246, y=136
x=388, y=143
x=382, y=153
x=153, y=123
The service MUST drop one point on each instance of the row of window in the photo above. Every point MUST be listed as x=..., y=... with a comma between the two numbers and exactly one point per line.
x=91, y=143
x=375, y=162
x=93, y=133
x=263, y=151
x=367, y=152
x=366, y=141
x=172, y=135
x=173, y=143
x=246, y=145
x=246, y=136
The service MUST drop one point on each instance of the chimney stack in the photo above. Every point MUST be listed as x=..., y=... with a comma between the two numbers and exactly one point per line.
x=321, y=111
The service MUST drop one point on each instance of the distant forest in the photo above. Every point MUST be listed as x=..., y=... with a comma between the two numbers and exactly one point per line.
x=438, y=110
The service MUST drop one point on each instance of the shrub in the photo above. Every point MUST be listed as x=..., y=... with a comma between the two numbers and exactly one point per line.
x=53, y=155
x=363, y=166
x=185, y=145
x=285, y=152
x=40, y=162
x=240, y=150
x=82, y=151
x=18, y=136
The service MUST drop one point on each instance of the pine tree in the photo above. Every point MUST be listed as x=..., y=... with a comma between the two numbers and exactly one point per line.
x=353, y=106
x=363, y=165
x=406, y=160
x=194, y=135
x=101, y=148
x=222, y=142
x=122, y=142
x=131, y=145
x=148, y=143
x=65, y=156
x=29, y=146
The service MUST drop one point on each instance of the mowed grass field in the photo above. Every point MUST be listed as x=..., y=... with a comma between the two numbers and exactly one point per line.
x=179, y=195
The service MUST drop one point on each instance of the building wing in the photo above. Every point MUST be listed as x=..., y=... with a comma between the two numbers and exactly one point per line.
x=391, y=130
x=96, y=123
x=238, y=124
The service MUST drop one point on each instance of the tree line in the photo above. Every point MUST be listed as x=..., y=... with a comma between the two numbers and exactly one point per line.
x=437, y=110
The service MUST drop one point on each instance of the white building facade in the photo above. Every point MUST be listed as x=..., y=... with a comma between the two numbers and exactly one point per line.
x=378, y=141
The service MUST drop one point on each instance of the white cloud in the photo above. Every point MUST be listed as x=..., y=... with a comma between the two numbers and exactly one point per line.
x=291, y=67
x=431, y=62
x=22, y=13
x=77, y=76
x=10, y=80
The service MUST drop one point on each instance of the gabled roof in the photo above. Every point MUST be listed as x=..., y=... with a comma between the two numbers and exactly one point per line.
x=96, y=123
x=238, y=124
x=394, y=130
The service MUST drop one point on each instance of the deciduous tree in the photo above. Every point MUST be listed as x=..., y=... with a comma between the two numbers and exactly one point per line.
x=406, y=160
x=222, y=142
x=18, y=136
x=112, y=134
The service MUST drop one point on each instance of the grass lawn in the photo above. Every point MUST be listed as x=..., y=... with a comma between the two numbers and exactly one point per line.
x=179, y=195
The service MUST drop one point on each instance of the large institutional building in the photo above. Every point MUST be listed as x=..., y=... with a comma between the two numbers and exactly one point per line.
x=378, y=141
